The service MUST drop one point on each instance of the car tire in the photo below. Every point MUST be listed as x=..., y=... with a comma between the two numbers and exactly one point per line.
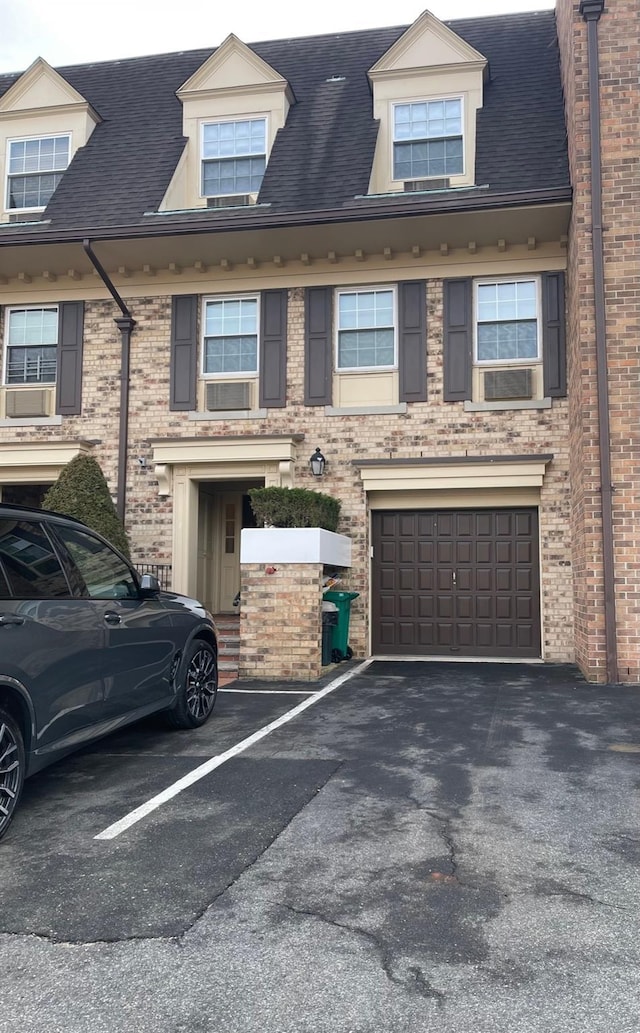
x=196, y=686
x=12, y=768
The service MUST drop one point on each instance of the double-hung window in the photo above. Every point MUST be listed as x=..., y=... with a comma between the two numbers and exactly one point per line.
x=34, y=169
x=428, y=139
x=231, y=336
x=31, y=339
x=507, y=321
x=366, y=328
x=234, y=157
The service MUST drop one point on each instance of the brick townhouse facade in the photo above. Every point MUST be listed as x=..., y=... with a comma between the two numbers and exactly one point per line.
x=360, y=243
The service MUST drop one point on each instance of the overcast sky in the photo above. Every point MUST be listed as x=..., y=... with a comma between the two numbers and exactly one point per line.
x=76, y=31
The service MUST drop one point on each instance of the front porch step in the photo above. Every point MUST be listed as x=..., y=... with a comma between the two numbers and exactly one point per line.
x=228, y=628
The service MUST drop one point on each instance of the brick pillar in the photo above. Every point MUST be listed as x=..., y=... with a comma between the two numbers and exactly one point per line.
x=281, y=621
x=619, y=55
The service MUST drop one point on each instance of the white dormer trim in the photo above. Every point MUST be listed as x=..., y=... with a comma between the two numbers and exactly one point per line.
x=233, y=84
x=41, y=103
x=233, y=68
x=428, y=43
x=41, y=89
x=429, y=62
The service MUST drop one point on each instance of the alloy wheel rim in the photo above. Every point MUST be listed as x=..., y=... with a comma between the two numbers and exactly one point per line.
x=202, y=683
x=9, y=773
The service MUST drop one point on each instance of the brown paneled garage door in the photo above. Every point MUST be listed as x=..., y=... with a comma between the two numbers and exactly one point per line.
x=456, y=582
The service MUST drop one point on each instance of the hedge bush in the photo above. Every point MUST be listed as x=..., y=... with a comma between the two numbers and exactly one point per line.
x=81, y=491
x=294, y=507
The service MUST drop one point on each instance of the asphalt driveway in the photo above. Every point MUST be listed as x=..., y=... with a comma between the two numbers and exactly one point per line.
x=451, y=847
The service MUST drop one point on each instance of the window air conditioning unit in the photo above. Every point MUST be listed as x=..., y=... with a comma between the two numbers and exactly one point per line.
x=21, y=403
x=26, y=217
x=233, y=201
x=226, y=397
x=413, y=185
x=508, y=384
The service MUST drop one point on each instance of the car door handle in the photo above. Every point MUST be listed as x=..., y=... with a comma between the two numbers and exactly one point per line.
x=111, y=617
x=10, y=618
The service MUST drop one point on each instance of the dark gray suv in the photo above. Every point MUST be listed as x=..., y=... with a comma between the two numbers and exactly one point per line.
x=87, y=645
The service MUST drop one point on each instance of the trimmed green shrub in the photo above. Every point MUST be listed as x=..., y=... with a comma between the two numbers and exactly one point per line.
x=294, y=507
x=81, y=491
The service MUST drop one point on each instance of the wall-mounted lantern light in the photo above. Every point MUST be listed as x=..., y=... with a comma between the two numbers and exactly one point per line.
x=317, y=463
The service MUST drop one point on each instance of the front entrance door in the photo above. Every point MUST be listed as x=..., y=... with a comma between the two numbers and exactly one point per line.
x=456, y=582
x=228, y=551
x=223, y=512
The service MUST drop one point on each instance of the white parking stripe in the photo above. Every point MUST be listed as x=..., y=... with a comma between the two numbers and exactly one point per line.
x=215, y=762
x=272, y=692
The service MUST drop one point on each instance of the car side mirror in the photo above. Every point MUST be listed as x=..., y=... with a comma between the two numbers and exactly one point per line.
x=149, y=585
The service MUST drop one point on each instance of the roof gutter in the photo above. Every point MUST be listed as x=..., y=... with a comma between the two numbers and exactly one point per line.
x=591, y=11
x=125, y=324
x=156, y=226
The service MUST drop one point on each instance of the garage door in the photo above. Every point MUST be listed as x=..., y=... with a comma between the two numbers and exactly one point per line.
x=456, y=582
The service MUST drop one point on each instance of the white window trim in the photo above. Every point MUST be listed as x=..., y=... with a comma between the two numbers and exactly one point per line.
x=253, y=117
x=35, y=384
x=239, y=374
x=490, y=281
x=22, y=139
x=336, y=333
x=427, y=100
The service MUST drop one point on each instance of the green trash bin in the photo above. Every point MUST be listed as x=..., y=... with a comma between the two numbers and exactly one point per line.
x=340, y=637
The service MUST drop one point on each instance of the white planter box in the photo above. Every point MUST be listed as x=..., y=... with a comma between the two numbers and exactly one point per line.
x=294, y=545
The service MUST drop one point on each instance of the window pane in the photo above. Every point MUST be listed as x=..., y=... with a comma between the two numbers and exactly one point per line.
x=105, y=575
x=232, y=176
x=32, y=191
x=365, y=309
x=428, y=120
x=31, y=366
x=29, y=561
x=502, y=342
x=228, y=139
x=357, y=348
x=507, y=301
x=231, y=354
x=428, y=159
x=33, y=326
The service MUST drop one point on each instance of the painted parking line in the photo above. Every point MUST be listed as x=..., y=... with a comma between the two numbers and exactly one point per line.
x=118, y=827
x=272, y=692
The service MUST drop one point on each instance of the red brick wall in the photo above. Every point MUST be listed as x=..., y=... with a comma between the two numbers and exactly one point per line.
x=619, y=46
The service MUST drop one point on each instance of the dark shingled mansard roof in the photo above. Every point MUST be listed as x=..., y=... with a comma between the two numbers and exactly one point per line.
x=322, y=158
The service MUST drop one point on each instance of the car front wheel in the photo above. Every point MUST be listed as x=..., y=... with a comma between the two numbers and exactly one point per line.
x=12, y=766
x=197, y=686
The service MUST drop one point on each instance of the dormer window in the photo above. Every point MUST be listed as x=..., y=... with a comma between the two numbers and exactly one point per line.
x=428, y=139
x=234, y=157
x=34, y=168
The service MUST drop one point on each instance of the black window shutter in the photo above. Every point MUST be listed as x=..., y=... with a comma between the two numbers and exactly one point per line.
x=273, y=350
x=553, y=335
x=184, y=352
x=412, y=341
x=457, y=339
x=69, y=358
x=318, y=306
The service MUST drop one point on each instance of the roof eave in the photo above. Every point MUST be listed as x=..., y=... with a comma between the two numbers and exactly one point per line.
x=281, y=220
